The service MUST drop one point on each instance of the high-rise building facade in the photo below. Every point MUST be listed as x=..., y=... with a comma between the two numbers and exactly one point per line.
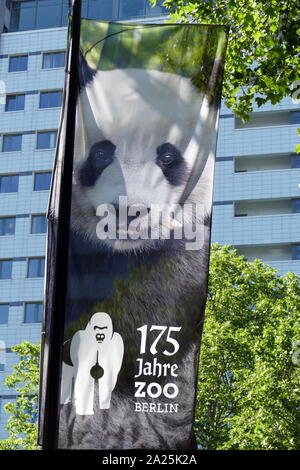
x=257, y=191
x=256, y=197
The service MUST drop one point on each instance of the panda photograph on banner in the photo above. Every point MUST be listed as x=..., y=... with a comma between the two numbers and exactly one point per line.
x=146, y=127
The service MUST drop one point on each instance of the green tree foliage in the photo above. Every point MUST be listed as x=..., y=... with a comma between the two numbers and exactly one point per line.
x=249, y=376
x=24, y=380
x=263, y=55
x=249, y=382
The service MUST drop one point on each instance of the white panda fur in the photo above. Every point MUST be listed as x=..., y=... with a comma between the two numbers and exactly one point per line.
x=139, y=110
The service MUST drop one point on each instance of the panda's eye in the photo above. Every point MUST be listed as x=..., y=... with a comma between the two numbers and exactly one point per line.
x=167, y=155
x=167, y=159
x=101, y=153
x=171, y=163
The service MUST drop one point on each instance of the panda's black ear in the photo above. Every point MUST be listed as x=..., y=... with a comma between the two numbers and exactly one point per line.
x=86, y=72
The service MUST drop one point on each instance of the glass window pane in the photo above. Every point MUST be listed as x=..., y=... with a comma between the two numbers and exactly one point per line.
x=52, y=140
x=15, y=103
x=101, y=9
x=132, y=8
x=295, y=252
x=32, y=268
x=44, y=100
x=42, y=181
x=38, y=224
x=33, y=312
x=10, y=103
x=58, y=59
x=51, y=99
x=295, y=161
x=157, y=10
x=41, y=267
x=29, y=313
x=13, y=63
x=39, y=312
x=7, y=225
x=48, y=16
x=296, y=206
x=84, y=9
x=23, y=62
x=20, y=102
x=42, y=140
x=18, y=63
x=47, y=61
x=36, y=267
x=14, y=19
x=26, y=17
x=53, y=60
x=9, y=184
x=14, y=183
x=5, y=269
x=64, y=14
x=55, y=99
x=4, y=308
x=46, y=140
x=12, y=143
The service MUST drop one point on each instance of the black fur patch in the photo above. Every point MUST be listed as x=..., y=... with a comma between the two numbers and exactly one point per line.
x=85, y=73
x=172, y=164
x=100, y=156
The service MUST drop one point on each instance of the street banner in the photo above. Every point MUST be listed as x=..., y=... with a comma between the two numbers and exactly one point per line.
x=146, y=120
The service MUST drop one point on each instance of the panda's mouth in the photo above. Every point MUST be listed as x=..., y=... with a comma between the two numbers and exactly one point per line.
x=138, y=222
x=141, y=227
x=124, y=225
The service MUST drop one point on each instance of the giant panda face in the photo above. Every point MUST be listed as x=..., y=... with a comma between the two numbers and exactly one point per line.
x=138, y=136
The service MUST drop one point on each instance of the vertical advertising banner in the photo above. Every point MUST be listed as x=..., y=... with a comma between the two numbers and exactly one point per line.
x=144, y=152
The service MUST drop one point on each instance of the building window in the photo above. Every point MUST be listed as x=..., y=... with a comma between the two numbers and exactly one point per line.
x=15, y=102
x=296, y=206
x=132, y=8
x=42, y=181
x=295, y=161
x=4, y=308
x=295, y=117
x=53, y=60
x=264, y=119
x=22, y=16
x=36, y=267
x=26, y=15
x=12, y=143
x=38, y=224
x=33, y=312
x=2, y=348
x=158, y=10
x=5, y=268
x=295, y=251
x=7, y=225
x=18, y=63
x=9, y=184
x=50, y=99
x=46, y=140
x=38, y=14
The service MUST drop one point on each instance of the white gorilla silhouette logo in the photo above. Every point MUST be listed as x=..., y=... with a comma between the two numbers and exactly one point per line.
x=96, y=353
